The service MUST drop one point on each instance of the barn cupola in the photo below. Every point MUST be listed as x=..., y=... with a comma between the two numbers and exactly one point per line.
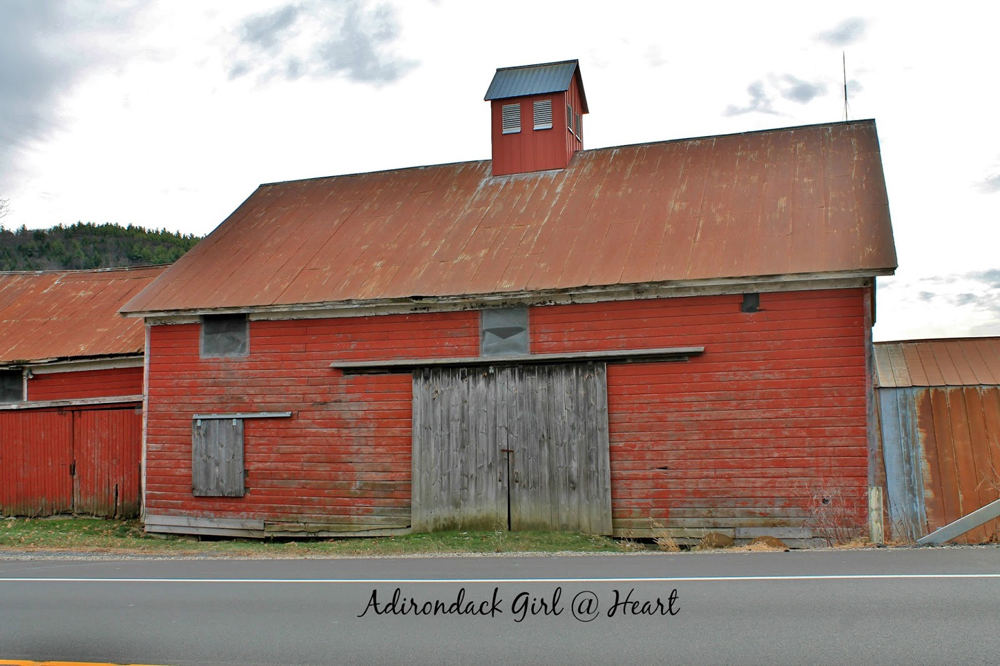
x=537, y=113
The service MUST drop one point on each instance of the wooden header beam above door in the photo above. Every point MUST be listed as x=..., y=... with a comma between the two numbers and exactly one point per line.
x=610, y=356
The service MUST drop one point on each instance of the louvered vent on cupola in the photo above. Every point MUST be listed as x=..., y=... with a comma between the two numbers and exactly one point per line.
x=550, y=136
x=543, y=114
x=511, y=118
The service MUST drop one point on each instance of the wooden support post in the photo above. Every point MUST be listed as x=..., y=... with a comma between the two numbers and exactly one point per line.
x=876, y=529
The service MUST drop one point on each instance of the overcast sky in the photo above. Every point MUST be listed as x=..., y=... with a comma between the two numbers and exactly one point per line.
x=170, y=113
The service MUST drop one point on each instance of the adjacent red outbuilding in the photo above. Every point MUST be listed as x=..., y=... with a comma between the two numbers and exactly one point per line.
x=71, y=391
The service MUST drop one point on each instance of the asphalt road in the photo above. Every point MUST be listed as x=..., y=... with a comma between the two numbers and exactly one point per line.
x=926, y=606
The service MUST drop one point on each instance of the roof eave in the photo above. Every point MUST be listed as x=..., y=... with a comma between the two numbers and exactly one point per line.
x=551, y=296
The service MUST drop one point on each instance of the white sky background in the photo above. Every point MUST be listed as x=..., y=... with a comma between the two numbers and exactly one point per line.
x=169, y=113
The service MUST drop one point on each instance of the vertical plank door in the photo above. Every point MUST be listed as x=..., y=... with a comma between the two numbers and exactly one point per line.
x=524, y=447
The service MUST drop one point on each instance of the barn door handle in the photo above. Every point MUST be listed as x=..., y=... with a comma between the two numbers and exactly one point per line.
x=515, y=477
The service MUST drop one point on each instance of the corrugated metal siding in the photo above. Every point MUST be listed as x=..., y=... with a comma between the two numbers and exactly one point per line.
x=781, y=202
x=85, y=384
x=36, y=452
x=946, y=362
x=755, y=432
x=66, y=314
x=107, y=445
x=941, y=448
x=39, y=447
x=341, y=461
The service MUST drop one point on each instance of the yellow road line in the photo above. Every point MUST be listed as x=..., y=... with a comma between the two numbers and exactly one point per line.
x=23, y=662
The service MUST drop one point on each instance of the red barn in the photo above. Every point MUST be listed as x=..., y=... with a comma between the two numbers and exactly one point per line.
x=670, y=337
x=71, y=386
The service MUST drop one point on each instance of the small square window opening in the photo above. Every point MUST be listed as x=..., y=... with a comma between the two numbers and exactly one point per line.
x=225, y=336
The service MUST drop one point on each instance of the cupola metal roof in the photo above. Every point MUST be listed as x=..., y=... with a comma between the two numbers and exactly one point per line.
x=539, y=79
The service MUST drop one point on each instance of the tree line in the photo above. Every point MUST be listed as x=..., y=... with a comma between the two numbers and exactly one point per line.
x=85, y=245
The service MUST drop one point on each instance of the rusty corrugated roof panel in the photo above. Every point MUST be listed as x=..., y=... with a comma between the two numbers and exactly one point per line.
x=793, y=201
x=944, y=362
x=68, y=314
x=536, y=80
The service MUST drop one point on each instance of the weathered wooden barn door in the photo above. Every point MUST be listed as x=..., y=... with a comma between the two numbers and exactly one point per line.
x=107, y=446
x=558, y=437
x=521, y=447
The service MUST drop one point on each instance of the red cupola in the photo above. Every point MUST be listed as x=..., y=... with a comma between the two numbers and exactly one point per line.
x=537, y=113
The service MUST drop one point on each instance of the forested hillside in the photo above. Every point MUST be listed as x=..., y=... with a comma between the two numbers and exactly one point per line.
x=86, y=245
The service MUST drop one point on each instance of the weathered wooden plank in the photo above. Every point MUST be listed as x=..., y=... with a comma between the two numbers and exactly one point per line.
x=206, y=531
x=245, y=415
x=876, y=530
x=193, y=521
x=72, y=402
x=965, y=524
x=619, y=355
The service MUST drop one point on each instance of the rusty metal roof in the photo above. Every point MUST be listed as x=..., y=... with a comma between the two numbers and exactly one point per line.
x=536, y=80
x=794, y=201
x=70, y=314
x=944, y=362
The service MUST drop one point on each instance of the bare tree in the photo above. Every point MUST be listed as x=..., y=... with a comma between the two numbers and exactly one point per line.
x=4, y=207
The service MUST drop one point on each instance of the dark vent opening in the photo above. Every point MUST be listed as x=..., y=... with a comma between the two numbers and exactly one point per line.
x=11, y=386
x=751, y=303
x=224, y=335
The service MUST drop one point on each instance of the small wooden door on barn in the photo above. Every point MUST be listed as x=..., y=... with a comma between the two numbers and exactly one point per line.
x=511, y=447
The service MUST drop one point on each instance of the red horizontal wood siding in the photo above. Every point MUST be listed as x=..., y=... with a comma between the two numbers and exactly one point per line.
x=85, y=384
x=342, y=459
x=758, y=431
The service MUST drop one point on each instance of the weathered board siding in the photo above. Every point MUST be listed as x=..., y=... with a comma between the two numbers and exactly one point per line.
x=217, y=458
x=941, y=456
x=749, y=437
x=524, y=448
x=83, y=461
x=85, y=384
x=765, y=432
x=341, y=463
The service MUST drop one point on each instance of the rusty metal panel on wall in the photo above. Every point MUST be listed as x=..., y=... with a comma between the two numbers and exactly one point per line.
x=36, y=458
x=70, y=461
x=941, y=448
x=107, y=445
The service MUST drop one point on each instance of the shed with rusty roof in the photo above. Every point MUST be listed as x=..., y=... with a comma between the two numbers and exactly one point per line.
x=938, y=407
x=671, y=337
x=71, y=386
